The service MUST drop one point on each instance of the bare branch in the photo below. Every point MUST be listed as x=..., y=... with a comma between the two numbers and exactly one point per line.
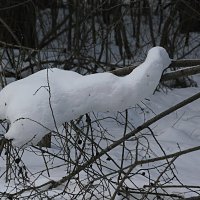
x=175, y=64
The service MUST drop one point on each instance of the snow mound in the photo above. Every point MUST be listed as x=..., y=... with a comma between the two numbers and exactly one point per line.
x=42, y=102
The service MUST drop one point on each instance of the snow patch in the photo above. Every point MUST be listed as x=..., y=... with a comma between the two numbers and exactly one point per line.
x=42, y=102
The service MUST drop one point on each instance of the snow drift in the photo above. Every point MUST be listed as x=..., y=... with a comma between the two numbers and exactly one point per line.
x=42, y=102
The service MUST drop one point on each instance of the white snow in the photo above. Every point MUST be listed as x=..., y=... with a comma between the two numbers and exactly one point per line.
x=178, y=130
x=42, y=102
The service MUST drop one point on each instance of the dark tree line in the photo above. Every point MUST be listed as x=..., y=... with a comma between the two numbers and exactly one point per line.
x=19, y=20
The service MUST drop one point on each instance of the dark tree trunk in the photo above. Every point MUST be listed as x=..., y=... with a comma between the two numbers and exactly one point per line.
x=189, y=16
x=18, y=23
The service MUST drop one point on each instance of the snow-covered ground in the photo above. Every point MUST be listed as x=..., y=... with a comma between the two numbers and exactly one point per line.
x=24, y=172
x=175, y=132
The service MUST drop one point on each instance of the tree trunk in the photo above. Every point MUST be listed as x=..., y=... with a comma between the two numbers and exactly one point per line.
x=189, y=16
x=18, y=23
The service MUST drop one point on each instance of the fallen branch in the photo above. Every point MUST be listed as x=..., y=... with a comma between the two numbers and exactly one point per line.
x=184, y=63
x=175, y=64
x=180, y=73
x=191, y=198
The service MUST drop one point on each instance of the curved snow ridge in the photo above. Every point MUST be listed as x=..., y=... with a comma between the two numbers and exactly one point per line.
x=45, y=100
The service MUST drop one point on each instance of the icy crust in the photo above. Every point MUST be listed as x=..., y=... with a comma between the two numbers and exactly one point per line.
x=45, y=100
